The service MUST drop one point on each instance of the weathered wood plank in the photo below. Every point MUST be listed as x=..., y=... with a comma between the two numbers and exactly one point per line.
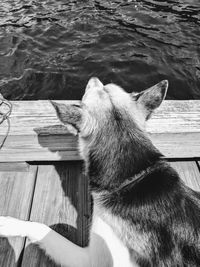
x=61, y=201
x=14, y=167
x=35, y=133
x=176, y=117
x=64, y=147
x=41, y=148
x=189, y=172
x=16, y=191
x=172, y=116
x=177, y=145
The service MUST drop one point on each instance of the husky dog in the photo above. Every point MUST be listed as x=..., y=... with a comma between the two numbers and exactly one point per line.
x=143, y=214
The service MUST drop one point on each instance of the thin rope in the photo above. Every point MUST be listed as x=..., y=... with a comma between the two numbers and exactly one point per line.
x=5, y=117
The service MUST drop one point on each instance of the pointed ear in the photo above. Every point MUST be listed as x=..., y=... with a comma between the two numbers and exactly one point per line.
x=151, y=98
x=69, y=115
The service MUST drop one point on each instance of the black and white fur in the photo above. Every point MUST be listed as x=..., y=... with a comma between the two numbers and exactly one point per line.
x=143, y=214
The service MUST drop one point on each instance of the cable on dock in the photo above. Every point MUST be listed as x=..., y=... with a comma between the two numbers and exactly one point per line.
x=5, y=116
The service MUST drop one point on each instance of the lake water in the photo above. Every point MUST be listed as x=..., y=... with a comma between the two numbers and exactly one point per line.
x=49, y=49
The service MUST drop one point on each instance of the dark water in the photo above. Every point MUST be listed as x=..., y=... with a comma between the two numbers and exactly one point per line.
x=49, y=49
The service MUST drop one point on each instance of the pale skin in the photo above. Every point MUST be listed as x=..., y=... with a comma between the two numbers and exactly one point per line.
x=105, y=248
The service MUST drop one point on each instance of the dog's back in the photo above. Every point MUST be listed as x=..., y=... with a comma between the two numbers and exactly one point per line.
x=157, y=219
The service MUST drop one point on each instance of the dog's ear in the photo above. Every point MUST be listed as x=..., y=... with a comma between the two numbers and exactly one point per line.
x=150, y=99
x=69, y=115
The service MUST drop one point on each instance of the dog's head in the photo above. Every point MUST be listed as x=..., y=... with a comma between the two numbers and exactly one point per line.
x=110, y=124
x=109, y=119
x=100, y=102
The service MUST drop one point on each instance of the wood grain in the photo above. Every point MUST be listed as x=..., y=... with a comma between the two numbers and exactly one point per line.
x=36, y=133
x=16, y=191
x=14, y=167
x=171, y=116
x=61, y=201
x=189, y=172
x=177, y=145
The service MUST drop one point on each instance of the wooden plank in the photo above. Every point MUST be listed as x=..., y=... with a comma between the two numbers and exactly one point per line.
x=40, y=148
x=189, y=172
x=16, y=191
x=64, y=147
x=177, y=145
x=36, y=134
x=14, y=167
x=175, y=116
x=61, y=200
x=172, y=116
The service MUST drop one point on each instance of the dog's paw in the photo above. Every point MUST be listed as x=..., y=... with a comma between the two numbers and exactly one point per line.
x=12, y=227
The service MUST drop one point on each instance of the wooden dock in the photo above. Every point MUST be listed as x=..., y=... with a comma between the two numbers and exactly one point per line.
x=41, y=172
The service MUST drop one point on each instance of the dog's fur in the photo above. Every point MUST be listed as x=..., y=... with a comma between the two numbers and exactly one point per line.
x=143, y=214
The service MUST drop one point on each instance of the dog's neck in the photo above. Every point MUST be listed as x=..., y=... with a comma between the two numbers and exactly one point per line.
x=132, y=181
x=129, y=182
x=115, y=156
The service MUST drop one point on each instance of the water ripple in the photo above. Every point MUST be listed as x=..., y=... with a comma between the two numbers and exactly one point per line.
x=49, y=49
